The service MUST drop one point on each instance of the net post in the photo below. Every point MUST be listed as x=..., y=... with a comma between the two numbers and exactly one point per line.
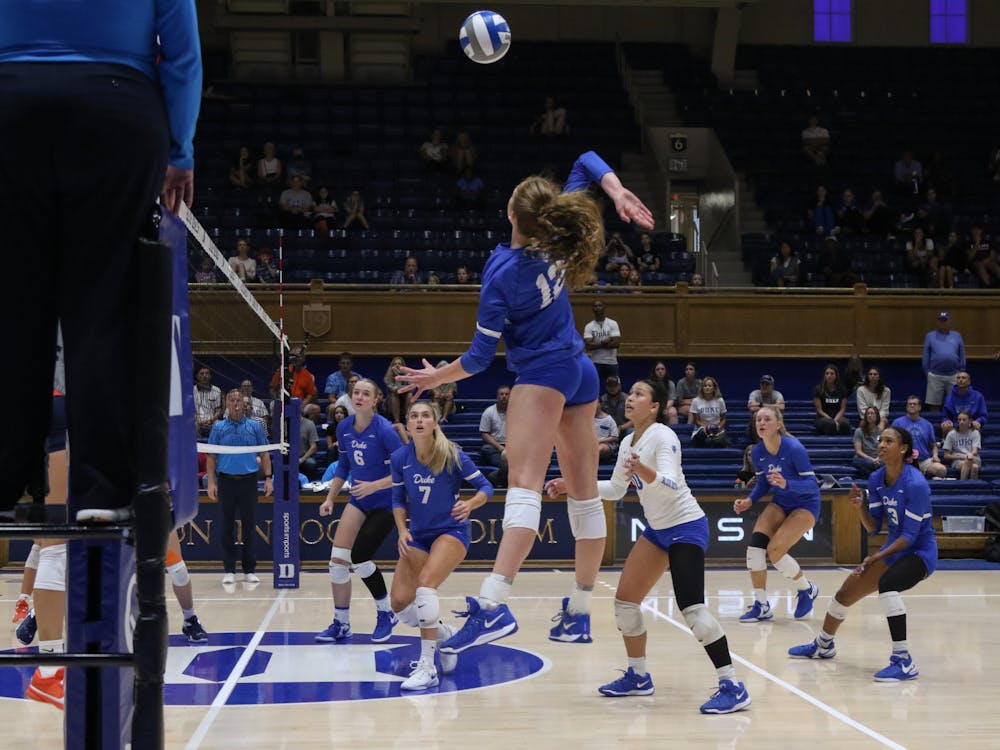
x=285, y=465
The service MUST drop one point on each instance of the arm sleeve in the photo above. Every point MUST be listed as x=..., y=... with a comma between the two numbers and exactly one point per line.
x=668, y=464
x=390, y=438
x=875, y=508
x=344, y=449
x=398, y=485
x=918, y=507
x=961, y=353
x=490, y=320
x=329, y=386
x=926, y=358
x=762, y=487
x=588, y=168
x=617, y=486
x=474, y=476
x=180, y=75
x=805, y=482
x=980, y=412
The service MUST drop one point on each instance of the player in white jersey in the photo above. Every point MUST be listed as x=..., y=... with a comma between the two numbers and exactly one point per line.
x=675, y=537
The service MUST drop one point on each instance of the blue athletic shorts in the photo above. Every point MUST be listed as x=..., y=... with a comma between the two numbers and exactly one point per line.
x=381, y=499
x=693, y=532
x=788, y=508
x=424, y=541
x=928, y=555
x=575, y=378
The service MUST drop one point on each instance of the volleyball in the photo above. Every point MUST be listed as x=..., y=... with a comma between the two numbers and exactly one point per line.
x=484, y=36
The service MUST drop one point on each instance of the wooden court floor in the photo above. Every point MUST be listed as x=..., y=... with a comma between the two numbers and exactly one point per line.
x=954, y=634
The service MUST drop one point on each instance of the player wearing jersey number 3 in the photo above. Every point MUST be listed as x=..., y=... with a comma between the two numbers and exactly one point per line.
x=556, y=238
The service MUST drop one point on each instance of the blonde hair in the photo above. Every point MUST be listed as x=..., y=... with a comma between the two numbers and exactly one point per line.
x=378, y=389
x=778, y=416
x=390, y=376
x=565, y=227
x=444, y=454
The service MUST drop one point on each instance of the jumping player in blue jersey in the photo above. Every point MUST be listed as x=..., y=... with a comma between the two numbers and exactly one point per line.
x=783, y=469
x=676, y=537
x=365, y=441
x=898, y=494
x=427, y=475
x=556, y=239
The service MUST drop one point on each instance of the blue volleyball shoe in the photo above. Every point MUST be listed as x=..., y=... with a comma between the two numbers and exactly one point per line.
x=729, y=698
x=806, y=597
x=385, y=621
x=338, y=631
x=481, y=626
x=758, y=612
x=814, y=650
x=570, y=628
x=901, y=667
x=629, y=683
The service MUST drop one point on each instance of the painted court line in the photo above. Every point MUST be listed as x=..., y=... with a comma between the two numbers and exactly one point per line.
x=227, y=689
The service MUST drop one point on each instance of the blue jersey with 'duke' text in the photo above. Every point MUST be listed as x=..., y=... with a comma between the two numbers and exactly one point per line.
x=429, y=497
x=906, y=506
x=523, y=300
x=365, y=455
x=793, y=463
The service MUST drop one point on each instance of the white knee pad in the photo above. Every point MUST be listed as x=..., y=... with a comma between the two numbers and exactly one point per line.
x=756, y=558
x=428, y=607
x=178, y=573
x=586, y=518
x=787, y=566
x=341, y=553
x=339, y=573
x=891, y=601
x=836, y=610
x=32, y=560
x=705, y=627
x=51, y=568
x=522, y=509
x=364, y=569
x=628, y=618
x=408, y=615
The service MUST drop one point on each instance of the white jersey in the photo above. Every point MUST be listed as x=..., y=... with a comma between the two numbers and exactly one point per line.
x=668, y=501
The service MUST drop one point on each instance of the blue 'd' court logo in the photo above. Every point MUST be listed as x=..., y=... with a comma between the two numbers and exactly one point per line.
x=293, y=668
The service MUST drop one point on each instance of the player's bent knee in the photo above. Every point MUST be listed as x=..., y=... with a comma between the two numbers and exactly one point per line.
x=756, y=558
x=522, y=509
x=341, y=554
x=586, y=518
x=628, y=618
x=365, y=569
x=837, y=610
x=891, y=601
x=178, y=573
x=705, y=627
x=51, y=568
x=339, y=573
x=428, y=607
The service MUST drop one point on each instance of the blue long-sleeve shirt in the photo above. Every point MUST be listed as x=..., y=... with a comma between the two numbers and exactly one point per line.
x=522, y=300
x=972, y=402
x=944, y=353
x=906, y=505
x=157, y=37
x=793, y=463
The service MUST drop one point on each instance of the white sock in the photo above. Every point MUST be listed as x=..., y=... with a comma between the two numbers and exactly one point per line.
x=382, y=605
x=802, y=583
x=727, y=672
x=444, y=632
x=494, y=591
x=579, y=599
x=637, y=664
x=900, y=647
x=24, y=597
x=344, y=615
x=188, y=613
x=760, y=595
x=427, y=650
x=50, y=647
x=825, y=639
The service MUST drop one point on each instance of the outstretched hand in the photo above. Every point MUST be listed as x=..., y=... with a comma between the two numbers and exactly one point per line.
x=418, y=381
x=631, y=209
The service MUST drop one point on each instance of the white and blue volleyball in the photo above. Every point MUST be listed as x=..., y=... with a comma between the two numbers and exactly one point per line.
x=485, y=37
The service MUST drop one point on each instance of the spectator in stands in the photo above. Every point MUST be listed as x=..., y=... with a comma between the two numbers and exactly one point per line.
x=932, y=215
x=923, y=439
x=324, y=211
x=206, y=273
x=244, y=266
x=444, y=398
x=299, y=382
x=336, y=382
x=410, y=274
x=784, y=267
x=493, y=430
x=963, y=397
x=616, y=254
x=462, y=276
x=601, y=338
x=660, y=373
x=648, y=259
x=816, y=141
x=347, y=399
x=298, y=166
x=254, y=407
x=433, y=279
x=985, y=260
x=242, y=171
x=396, y=403
x=634, y=278
x=850, y=218
x=943, y=359
x=920, y=258
x=951, y=260
x=821, y=215
x=879, y=218
x=624, y=277
x=296, y=205
x=708, y=415
x=873, y=392
x=688, y=388
x=434, y=152
x=613, y=403
x=269, y=168
x=267, y=271
x=854, y=374
x=463, y=153
x=697, y=281
x=830, y=402
x=335, y=414
x=766, y=394
x=834, y=264
x=469, y=189
x=207, y=401
x=354, y=210
x=309, y=440
x=607, y=434
x=866, y=437
x=962, y=446
x=908, y=175
x=552, y=121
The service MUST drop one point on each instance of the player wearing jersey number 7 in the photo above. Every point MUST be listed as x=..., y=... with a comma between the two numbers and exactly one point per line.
x=556, y=238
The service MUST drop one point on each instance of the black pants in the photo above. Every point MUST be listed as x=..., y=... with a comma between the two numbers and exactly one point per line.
x=84, y=156
x=238, y=496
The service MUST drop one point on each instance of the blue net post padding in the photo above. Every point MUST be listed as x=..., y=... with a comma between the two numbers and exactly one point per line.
x=285, y=534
